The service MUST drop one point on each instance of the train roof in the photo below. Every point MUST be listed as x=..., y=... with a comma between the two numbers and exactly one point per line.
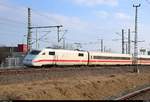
x=52, y=49
x=93, y=52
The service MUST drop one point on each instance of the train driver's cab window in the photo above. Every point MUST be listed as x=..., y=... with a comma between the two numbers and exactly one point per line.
x=52, y=53
x=35, y=52
x=81, y=54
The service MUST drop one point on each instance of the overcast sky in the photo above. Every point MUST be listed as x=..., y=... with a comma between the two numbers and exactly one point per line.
x=86, y=21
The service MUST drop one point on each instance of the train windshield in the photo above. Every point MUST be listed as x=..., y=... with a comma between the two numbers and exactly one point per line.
x=35, y=52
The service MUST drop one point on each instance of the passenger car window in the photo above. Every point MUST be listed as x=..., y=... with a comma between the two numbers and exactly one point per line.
x=106, y=57
x=52, y=53
x=81, y=54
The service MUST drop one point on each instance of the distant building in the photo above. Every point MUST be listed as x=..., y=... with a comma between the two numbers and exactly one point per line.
x=11, y=51
x=22, y=48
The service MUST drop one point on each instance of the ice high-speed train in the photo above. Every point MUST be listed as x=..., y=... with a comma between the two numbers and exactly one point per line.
x=51, y=57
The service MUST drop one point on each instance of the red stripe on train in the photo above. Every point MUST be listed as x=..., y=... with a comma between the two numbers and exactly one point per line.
x=123, y=61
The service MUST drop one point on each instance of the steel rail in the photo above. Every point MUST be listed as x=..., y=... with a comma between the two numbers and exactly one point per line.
x=132, y=94
x=55, y=68
x=38, y=70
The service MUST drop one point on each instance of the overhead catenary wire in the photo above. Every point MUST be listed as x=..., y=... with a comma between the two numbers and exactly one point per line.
x=24, y=8
x=41, y=14
x=15, y=7
x=16, y=23
x=147, y=1
x=12, y=29
x=10, y=22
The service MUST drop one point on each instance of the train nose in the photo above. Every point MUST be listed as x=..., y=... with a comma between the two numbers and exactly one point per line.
x=27, y=62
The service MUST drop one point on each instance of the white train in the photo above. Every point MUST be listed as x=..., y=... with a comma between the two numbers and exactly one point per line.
x=48, y=57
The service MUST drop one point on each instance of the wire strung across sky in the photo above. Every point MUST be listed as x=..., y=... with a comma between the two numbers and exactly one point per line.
x=41, y=14
x=22, y=22
x=20, y=9
x=148, y=1
x=11, y=21
x=14, y=24
x=7, y=23
x=16, y=8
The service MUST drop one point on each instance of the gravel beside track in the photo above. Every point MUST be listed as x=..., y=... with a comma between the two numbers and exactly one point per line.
x=12, y=76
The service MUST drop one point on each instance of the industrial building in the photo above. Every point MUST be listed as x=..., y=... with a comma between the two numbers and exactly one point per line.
x=12, y=56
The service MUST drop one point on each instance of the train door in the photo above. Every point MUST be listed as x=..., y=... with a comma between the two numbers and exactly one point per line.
x=52, y=55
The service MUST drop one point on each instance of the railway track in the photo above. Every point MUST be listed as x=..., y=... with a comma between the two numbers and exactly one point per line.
x=38, y=70
x=134, y=94
x=28, y=70
x=51, y=69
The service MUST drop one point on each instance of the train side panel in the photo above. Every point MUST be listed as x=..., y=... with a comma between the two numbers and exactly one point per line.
x=46, y=57
x=67, y=57
x=70, y=57
x=98, y=58
x=143, y=60
x=61, y=57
